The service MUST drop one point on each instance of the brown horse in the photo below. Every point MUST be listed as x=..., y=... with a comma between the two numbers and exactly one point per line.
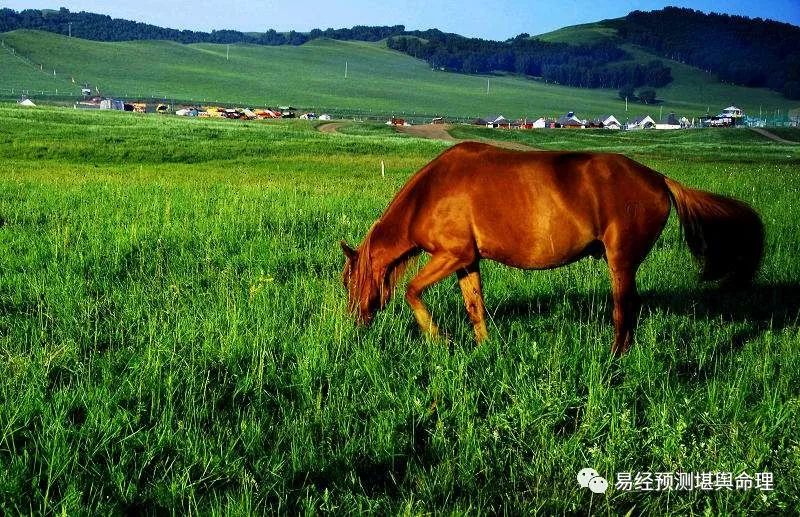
x=541, y=210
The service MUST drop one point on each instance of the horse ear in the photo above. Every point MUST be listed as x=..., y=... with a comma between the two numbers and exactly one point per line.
x=350, y=252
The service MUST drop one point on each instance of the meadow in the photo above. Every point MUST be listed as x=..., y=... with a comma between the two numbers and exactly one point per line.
x=380, y=81
x=173, y=335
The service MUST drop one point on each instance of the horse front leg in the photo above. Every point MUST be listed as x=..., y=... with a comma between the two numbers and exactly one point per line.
x=440, y=266
x=470, y=281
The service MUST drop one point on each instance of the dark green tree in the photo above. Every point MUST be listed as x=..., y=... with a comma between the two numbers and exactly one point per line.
x=647, y=96
x=627, y=92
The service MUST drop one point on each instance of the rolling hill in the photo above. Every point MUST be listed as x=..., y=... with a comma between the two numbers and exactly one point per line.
x=311, y=76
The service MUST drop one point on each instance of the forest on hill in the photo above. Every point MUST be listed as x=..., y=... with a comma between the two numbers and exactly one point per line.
x=739, y=50
x=101, y=27
x=601, y=65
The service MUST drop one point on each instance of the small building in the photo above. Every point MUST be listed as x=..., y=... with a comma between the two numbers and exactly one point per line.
x=730, y=116
x=732, y=112
x=495, y=121
x=27, y=103
x=607, y=122
x=671, y=122
x=325, y=116
x=539, y=123
x=267, y=113
x=641, y=122
x=112, y=104
x=438, y=120
x=287, y=111
x=570, y=121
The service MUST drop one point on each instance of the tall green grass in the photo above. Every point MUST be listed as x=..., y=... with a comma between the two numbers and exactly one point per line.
x=173, y=337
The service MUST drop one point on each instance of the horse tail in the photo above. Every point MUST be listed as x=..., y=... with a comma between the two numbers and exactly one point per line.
x=725, y=235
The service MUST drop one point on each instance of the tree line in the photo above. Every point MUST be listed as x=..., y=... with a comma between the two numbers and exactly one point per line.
x=601, y=65
x=100, y=27
x=747, y=51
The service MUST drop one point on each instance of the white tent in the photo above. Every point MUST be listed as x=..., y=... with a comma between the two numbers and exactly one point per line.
x=27, y=102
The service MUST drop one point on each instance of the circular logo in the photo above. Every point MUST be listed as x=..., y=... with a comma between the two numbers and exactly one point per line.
x=586, y=475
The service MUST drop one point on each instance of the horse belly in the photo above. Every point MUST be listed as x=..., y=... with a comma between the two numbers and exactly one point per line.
x=544, y=238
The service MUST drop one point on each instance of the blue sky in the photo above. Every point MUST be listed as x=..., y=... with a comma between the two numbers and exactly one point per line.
x=494, y=19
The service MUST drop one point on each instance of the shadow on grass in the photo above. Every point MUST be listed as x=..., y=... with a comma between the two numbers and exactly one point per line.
x=753, y=309
x=775, y=306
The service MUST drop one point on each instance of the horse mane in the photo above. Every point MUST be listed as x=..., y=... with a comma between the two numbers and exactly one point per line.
x=365, y=277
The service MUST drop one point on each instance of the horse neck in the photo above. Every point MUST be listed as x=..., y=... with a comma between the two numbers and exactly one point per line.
x=387, y=242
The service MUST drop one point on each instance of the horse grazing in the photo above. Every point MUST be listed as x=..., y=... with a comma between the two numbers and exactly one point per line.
x=541, y=210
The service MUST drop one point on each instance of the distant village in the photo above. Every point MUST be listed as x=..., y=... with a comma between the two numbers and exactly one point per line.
x=727, y=117
x=730, y=116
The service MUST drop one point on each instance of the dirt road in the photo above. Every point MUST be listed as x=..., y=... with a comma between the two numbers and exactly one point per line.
x=436, y=132
x=772, y=136
x=330, y=127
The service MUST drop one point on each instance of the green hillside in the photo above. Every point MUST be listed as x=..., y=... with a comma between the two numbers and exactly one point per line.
x=312, y=76
x=16, y=73
x=585, y=34
x=690, y=86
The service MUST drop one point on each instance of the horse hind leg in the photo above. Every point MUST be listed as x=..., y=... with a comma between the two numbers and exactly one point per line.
x=626, y=306
x=440, y=266
x=470, y=281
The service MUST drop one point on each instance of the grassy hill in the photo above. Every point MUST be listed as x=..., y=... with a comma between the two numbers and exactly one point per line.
x=312, y=76
x=584, y=34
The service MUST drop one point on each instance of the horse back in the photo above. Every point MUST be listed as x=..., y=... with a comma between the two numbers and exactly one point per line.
x=532, y=209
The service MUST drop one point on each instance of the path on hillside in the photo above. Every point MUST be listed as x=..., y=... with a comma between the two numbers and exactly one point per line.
x=772, y=136
x=330, y=127
x=442, y=132
x=436, y=132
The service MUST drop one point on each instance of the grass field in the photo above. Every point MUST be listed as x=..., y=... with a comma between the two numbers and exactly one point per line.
x=311, y=76
x=173, y=335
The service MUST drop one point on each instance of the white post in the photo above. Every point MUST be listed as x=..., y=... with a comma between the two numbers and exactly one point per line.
x=228, y=52
x=626, y=104
x=383, y=170
x=345, y=69
x=487, y=86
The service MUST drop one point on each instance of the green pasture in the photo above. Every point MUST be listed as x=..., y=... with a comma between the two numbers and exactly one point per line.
x=173, y=335
x=311, y=76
